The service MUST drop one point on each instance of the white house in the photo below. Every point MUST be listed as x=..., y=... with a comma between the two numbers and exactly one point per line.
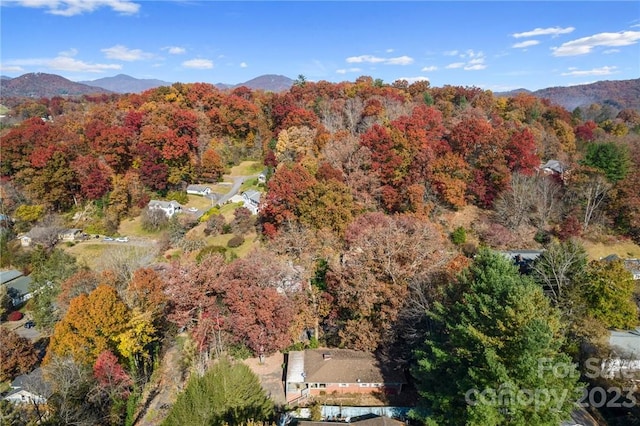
x=168, y=207
x=73, y=234
x=624, y=359
x=251, y=200
x=29, y=389
x=201, y=190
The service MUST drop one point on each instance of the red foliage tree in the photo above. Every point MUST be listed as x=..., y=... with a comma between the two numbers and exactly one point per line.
x=111, y=377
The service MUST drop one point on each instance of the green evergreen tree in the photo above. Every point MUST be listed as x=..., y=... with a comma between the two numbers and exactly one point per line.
x=228, y=393
x=494, y=356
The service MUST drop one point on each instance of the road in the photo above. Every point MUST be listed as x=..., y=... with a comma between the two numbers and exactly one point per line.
x=235, y=187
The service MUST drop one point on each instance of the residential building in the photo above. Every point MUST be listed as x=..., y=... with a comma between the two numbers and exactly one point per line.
x=29, y=389
x=315, y=371
x=17, y=286
x=72, y=234
x=169, y=208
x=251, y=200
x=201, y=190
x=624, y=358
x=631, y=265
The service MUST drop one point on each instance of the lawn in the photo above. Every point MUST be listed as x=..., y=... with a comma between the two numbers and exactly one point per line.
x=247, y=168
x=624, y=249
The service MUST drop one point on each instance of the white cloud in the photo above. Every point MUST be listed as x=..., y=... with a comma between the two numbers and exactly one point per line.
x=595, y=71
x=201, y=64
x=243, y=65
x=474, y=61
x=65, y=63
x=610, y=51
x=364, y=58
x=429, y=68
x=60, y=63
x=123, y=53
x=175, y=50
x=70, y=52
x=450, y=53
x=11, y=68
x=524, y=44
x=400, y=60
x=544, y=31
x=389, y=50
x=78, y=7
x=348, y=70
x=585, y=45
x=414, y=79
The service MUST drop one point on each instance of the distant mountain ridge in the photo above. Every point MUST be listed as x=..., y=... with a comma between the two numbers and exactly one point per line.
x=123, y=83
x=618, y=93
x=41, y=85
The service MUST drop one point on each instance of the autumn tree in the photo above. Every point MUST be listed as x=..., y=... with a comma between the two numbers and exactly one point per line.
x=371, y=284
x=17, y=355
x=92, y=325
x=260, y=294
x=113, y=385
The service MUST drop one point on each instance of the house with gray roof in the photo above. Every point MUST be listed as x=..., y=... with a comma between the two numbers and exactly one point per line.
x=251, y=200
x=17, y=286
x=631, y=265
x=169, y=208
x=201, y=190
x=29, y=389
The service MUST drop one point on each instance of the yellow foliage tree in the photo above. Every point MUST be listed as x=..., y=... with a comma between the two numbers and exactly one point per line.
x=93, y=324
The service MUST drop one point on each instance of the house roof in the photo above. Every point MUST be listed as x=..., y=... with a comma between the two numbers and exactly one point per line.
x=524, y=254
x=11, y=274
x=626, y=342
x=20, y=286
x=198, y=188
x=164, y=204
x=632, y=265
x=252, y=194
x=344, y=366
x=32, y=382
x=554, y=165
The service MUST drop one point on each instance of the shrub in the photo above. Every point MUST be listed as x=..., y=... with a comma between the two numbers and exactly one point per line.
x=227, y=228
x=459, y=236
x=236, y=241
x=209, y=250
x=15, y=316
x=542, y=237
x=179, y=196
x=570, y=227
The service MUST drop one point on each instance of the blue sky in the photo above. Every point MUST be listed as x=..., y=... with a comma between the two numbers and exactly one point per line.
x=498, y=45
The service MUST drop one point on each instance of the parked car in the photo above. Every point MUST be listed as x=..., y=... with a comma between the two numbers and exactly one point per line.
x=107, y=239
x=122, y=239
x=29, y=324
x=192, y=209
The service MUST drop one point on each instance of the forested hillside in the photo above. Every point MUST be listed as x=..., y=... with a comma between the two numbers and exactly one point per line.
x=380, y=205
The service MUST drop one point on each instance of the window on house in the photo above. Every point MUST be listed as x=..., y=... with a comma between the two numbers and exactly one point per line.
x=343, y=385
x=322, y=385
x=364, y=385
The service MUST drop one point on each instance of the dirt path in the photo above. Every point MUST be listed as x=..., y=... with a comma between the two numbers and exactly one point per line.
x=270, y=374
x=161, y=396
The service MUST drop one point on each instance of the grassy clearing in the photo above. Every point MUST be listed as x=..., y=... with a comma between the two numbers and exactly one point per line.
x=133, y=228
x=624, y=249
x=3, y=110
x=88, y=254
x=247, y=168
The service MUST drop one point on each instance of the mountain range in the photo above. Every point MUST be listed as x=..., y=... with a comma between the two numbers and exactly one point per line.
x=620, y=94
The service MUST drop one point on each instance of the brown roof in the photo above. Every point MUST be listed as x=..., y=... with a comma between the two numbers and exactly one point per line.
x=347, y=366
